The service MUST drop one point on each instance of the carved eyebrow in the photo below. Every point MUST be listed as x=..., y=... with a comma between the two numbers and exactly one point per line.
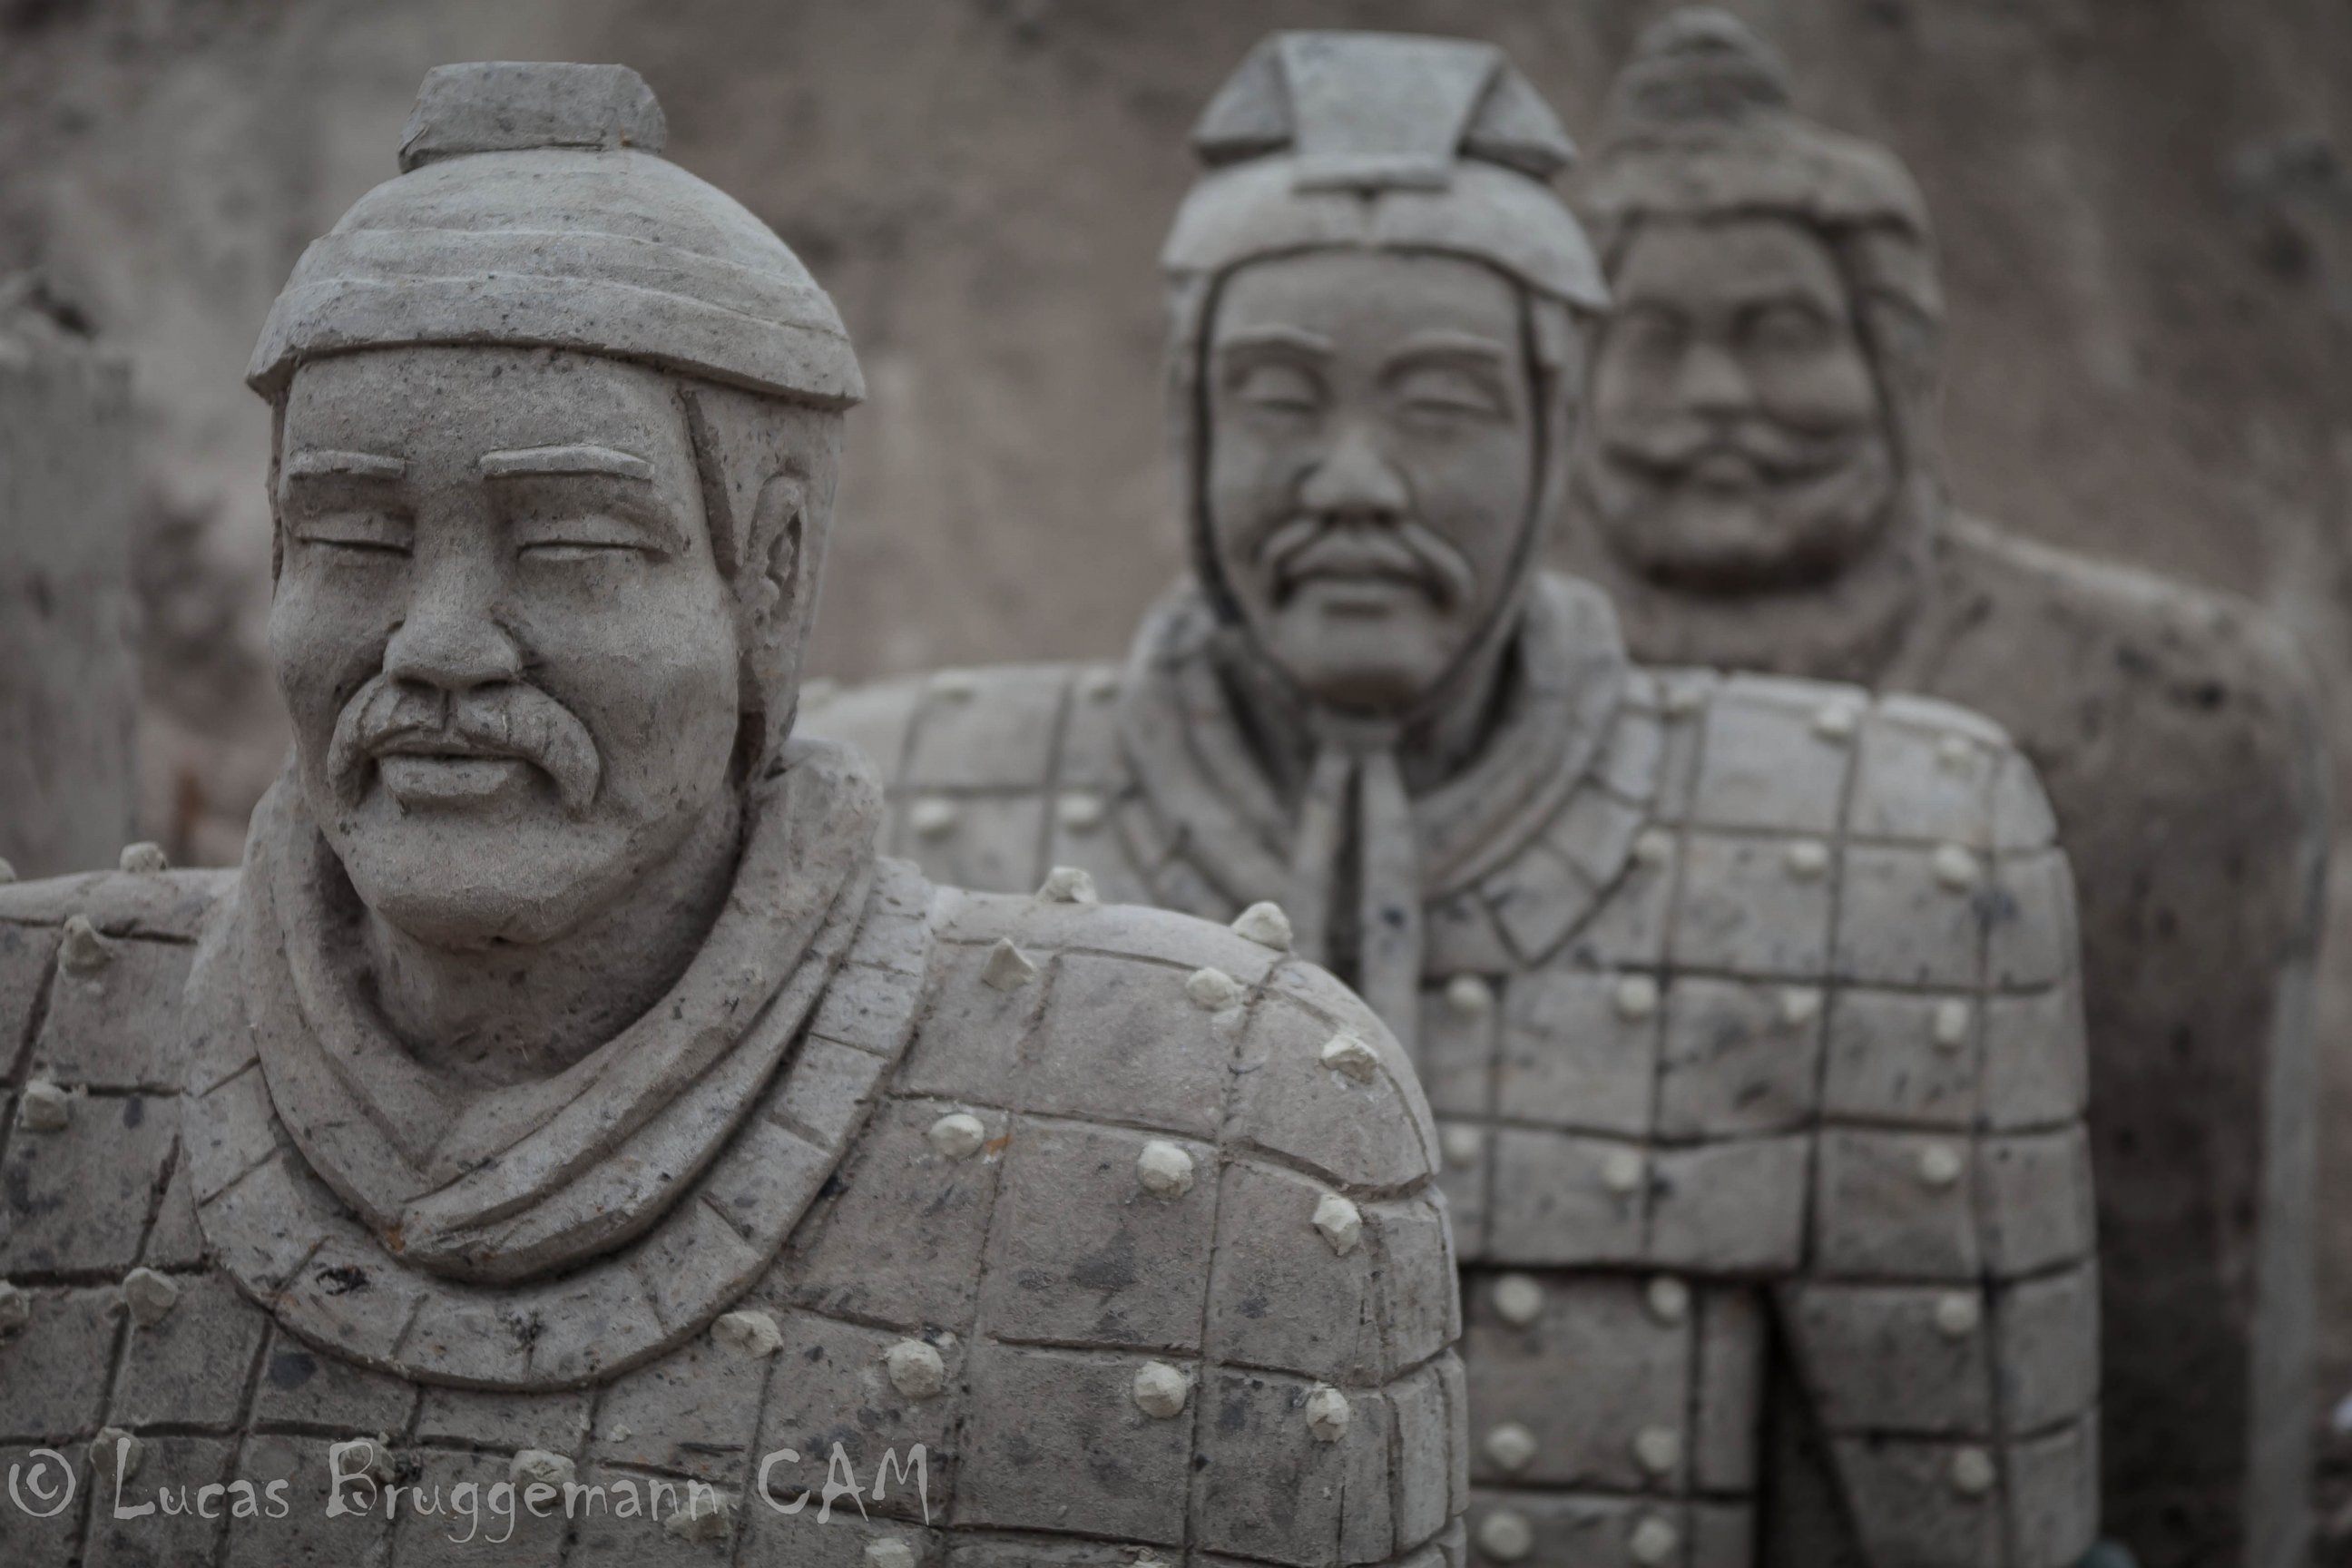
x=1439, y=344
x=320, y=463
x=535, y=462
x=1274, y=337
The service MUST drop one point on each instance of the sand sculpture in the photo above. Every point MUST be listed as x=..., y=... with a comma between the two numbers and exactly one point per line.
x=1759, y=486
x=1746, y=1005
x=564, y=1140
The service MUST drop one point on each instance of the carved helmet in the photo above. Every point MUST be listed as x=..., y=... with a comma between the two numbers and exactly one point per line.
x=533, y=209
x=1383, y=141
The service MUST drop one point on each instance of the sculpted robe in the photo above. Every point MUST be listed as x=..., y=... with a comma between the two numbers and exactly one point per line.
x=1750, y=1014
x=1146, y=1278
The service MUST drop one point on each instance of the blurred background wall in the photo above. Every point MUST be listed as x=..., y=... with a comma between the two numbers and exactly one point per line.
x=2144, y=205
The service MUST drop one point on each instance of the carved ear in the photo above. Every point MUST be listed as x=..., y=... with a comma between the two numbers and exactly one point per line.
x=771, y=588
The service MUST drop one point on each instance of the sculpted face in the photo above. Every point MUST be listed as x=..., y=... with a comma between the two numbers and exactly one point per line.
x=509, y=652
x=1737, y=439
x=1372, y=454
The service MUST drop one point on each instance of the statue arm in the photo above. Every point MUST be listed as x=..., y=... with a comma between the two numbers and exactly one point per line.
x=1945, y=1329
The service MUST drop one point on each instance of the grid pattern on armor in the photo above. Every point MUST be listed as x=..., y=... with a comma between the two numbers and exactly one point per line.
x=985, y=1256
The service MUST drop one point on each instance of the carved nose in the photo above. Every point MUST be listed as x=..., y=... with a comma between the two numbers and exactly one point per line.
x=452, y=641
x=1355, y=479
x=1712, y=382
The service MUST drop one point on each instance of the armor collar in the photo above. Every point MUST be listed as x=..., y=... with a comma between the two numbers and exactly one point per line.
x=1213, y=795
x=343, y=1163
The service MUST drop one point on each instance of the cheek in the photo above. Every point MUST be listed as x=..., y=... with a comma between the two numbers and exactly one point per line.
x=1247, y=485
x=1828, y=387
x=645, y=657
x=1476, y=490
x=327, y=634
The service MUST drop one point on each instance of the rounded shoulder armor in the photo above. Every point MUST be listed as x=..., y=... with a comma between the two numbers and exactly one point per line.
x=167, y=905
x=1259, y=1048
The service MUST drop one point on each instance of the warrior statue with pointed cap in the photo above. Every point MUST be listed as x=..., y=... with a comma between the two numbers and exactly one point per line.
x=565, y=1100
x=1747, y=1005
x=1757, y=485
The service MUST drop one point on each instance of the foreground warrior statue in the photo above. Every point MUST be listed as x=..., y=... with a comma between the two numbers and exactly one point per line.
x=1747, y=1005
x=1758, y=486
x=574, y=1108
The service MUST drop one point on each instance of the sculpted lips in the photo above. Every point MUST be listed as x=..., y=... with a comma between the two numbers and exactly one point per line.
x=1347, y=565
x=433, y=749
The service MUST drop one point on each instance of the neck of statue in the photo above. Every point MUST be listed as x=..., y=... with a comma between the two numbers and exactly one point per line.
x=1854, y=626
x=487, y=1017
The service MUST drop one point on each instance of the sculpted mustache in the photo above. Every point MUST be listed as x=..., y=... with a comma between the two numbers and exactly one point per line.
x=1405, y=548
x=1778, y=449
x=511, y=719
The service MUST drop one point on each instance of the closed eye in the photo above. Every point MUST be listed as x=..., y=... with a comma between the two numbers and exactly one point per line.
x=356, y=532
x=590, y=537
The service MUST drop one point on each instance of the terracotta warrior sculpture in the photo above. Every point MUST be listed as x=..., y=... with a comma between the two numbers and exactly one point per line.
x=562, y=1115
x=1747, y=1005
x=1757, y=485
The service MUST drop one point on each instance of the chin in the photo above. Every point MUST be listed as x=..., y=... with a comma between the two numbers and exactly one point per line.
x=1375, y=670
x=456, y=885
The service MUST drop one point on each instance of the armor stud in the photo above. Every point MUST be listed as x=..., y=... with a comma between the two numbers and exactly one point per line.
x=1939, y=1166
x=113, y=1447
x=1214, y=990
x=83, y=951
x=955, y=685
x=1068, y=885
x=149, y=1295
x=1102, y=685
x=1800, y=1005
x=1951, y=1024
x=1623, y=1172
x=1637, y=997
x=1808, y=859
x=1079, y=811
x=750, y=1333
x=1958, y=1315
x=1955, y=869
x=1519, y=1299
x=1654, y=1541
x=1350, y=1057
x=44, y=1107
x=1668, y=1299
x=1008, y=968
x=1682, y=698
x=1653, y=847
x=1470, y=995
x=1955, y=752
x=958, y=1135
x=143, y=859
x=1510, y=1446
x=1658, y=1449
x=1835, y=722
x=1265, y=924
x=915, y=1369
x=1165, y=1170
x=1160, y=1391
x=1327, y=1413
x=537, y=1467
x=1463, y=1146
x=1972, y=1472
x=1506, y=1536
x=1340, y=1222
x=932, y=818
